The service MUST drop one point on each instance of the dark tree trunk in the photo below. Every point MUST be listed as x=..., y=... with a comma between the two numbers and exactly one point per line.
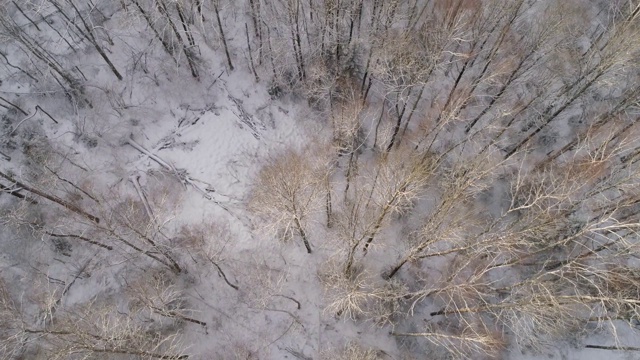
x=224, y=40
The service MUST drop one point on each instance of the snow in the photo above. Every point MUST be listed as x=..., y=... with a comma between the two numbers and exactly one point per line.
x=195, y=148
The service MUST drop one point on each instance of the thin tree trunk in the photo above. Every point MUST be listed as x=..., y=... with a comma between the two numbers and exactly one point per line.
x=14, y=105
x=273, y=65
x=70, y=183
x=378, y=225
x=25, y=15
x=224, y=276
x=5, y=156
x=413, y=109
x=89, y=35
x=351, y=258
x=52, y=198
x=617, y=348
x=295, y=37
x=40, y=53
x=253, y=68
x=366, y=70
x=554, y=115
x=396, y=128
x=147, y=18
x=14, y=192
x=58, y=32
x=224, y=40
x=254, y=17
x=298, y=41
x=350, y=166
x=375, y=134
x=16, y=67
x=185, y=26
x=303, y=235
x=187, y=52
x=257, y=25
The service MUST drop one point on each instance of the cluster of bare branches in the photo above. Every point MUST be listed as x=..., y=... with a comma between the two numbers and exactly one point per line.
x=528, y=247
x=351, y=351
x=98, y=329
x=288, y=192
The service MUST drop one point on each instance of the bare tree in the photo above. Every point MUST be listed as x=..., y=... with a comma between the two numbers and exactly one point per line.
x=187, y=50
x=606, y=57
x=558, y=248
x=97, y=329
x=361, y=296
x=53, y=198
x=207, y=242
x=451, y=221
x=87, y=31
x=158, y=295
x=288, y=193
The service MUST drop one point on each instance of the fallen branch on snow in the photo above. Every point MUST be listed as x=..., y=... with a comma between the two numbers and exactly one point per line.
x=135, y=179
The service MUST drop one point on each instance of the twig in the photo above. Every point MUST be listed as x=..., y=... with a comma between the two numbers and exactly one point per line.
x=292, y=299
x=216, y=79
x=297, y=354
x=66, y=157
x=222, y=273
x=81, y=73
x=283, y=334
x=175, y=315
x=46, y=113
x=295, y=318
x=21, y=121
x=80, y=271
x=620, y=348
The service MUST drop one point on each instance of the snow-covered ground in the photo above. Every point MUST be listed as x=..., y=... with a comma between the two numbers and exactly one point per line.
x=186, y=154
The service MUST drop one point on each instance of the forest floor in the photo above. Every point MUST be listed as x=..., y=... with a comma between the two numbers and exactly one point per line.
x=194, y=150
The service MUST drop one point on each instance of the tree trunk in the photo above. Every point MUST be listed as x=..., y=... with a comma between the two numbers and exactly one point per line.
x=147, y=18
x=89, y=35
x=252, y=67
x=25, y=15
x=224, y=40
x=187, y=52
x=53, y=198
x=185, y=26
x=303, y=235
x=396, y=128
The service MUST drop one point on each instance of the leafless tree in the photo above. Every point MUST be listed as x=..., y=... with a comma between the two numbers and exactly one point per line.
x=361, y=296
x=96, y=329
x=288, y=193
x=87, y=30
